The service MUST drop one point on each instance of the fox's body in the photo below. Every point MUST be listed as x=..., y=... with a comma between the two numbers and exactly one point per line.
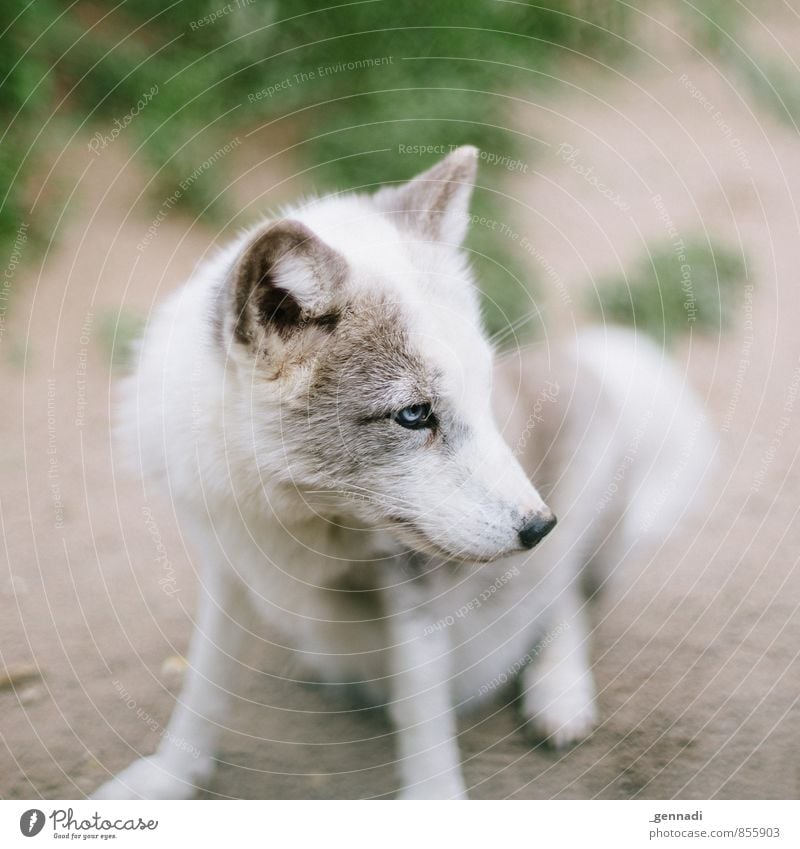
x=315, y=404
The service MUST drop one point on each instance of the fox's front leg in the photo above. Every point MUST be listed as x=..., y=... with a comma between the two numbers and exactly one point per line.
x=558, y=689
x=184, y=760
x=420, y=703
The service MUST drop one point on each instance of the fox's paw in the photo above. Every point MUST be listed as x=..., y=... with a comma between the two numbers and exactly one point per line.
x=156, y=778
x=559, y=713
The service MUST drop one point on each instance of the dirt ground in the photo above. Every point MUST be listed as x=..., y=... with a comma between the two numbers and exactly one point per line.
x=696, y=658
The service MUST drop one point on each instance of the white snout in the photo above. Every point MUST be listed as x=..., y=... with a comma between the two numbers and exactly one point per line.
x=499, y=472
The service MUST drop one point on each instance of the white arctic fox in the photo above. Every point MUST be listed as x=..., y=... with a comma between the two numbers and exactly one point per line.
x=315, y=404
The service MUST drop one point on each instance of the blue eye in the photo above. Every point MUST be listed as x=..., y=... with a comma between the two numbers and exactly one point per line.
x=415, y=417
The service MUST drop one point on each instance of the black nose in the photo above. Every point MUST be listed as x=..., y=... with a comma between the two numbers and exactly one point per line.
x=537, y=528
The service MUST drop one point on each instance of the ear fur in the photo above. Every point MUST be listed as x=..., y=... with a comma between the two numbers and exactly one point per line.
x=435, y=204
x=286, y=278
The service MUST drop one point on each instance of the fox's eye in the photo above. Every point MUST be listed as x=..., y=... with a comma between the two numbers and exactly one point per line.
x=415, y=417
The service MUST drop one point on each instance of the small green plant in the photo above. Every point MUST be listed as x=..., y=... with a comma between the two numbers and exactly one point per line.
x=670, y=292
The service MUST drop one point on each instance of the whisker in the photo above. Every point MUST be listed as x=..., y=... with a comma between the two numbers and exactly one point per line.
x=512, y=328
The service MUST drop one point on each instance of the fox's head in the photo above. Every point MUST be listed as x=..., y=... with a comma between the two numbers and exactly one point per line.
x=353, y=327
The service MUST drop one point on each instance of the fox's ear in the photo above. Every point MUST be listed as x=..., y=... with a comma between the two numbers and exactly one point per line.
x=435, y=204
x=286, y=279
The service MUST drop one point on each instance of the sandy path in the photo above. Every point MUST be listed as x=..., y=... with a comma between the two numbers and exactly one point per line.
x=697, y=658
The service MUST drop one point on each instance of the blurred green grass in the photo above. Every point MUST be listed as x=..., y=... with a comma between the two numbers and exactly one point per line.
x=180, y=80
x=667, y=293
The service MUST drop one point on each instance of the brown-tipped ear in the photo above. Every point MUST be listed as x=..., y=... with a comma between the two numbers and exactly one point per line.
x=286, y=278
x=435, y=204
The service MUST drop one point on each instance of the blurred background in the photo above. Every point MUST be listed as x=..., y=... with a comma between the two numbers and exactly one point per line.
x=638, y=164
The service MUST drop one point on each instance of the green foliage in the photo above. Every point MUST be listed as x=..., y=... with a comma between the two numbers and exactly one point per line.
x=773, y=85
x=421, y=73
x=769, y=79
x=667, y=293
x=716, y=26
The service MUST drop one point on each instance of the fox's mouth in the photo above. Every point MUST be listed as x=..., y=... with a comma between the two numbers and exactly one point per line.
x=412, y=535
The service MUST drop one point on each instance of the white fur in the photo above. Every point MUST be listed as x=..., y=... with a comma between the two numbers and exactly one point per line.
x=204, y=427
